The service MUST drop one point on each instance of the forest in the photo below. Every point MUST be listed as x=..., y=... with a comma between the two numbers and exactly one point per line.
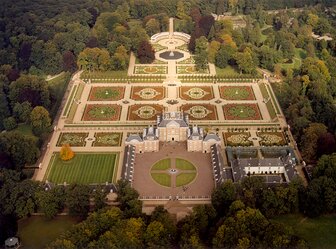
x=43, y=38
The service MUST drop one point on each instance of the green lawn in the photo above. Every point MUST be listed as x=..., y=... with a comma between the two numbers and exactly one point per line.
x=319, y=232
x=73, y=105
x=36, y=232
x=84, y=168
x=184, y=179
x=162, y=179
x=184, y=164
x=25, y=129
x=163, y=164
x=269, y=105
x=300, y=54
x=227, y=71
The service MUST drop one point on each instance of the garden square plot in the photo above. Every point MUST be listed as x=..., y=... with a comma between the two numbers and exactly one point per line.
x=242, y=112
x=200, y=111
x=107, y=139
x=147, y=93
x=144, y=112
x=236, y=92
x=84, y=168
x=150, y=70
x=184, y=69
x=196, y=93
x=101, y=112
x=75, y=139
x=271, y=138
x=237, y=138
x=108, y=93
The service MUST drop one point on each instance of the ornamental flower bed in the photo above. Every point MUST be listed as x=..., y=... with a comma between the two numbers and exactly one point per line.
x=107, y=139
x=147, y=93
x=150, y=70
x=236, y=92
x=74, y=139
x=237, y=138
x=144, y=112
x=101, y=113
x=242, y=112
x=271, y=138
x=106, y=93
x=196, y=93
x=200, y=111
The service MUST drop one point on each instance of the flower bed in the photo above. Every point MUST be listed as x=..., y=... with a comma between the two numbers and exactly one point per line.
x=101, y=113
x=190, y=70
x=144, y=112
x=74, y=139
x=271, y=138
x=196, y=93
x=242, y=112
x=106, y=93
x=150, y=70
x=237, y=138
x=147, y=93
x=107, y=139
x=200, y=111
x=236, y=92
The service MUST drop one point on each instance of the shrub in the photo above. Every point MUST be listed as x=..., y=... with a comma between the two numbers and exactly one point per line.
x=66, y=153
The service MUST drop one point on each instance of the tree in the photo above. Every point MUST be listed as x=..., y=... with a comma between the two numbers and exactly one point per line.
x=51, y=201
x=66, y=152
x=245, y=61
x=40, y=120
x=120, y=58
x=21, y=111
x=310, y=138
x=94, y=59
x=21, y=149
x=201, y=55
x=128, y=198
x=69, y=62
x=152, y=27
x=10, y=123
x=223, y=196
x=78, y=199
x=224, y=56
x=146, y=53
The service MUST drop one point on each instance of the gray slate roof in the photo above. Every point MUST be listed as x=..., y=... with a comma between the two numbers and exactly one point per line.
x=134, y=137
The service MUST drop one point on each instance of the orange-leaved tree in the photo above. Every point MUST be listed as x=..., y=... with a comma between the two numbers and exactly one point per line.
x=66, y=152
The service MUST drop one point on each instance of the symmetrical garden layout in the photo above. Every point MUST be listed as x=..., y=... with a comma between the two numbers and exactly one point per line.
x=102, y=109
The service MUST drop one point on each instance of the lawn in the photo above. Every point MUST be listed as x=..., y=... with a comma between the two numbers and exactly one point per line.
x=300, y=54
x=319, y=232
x=162, y=179
x=73, y=104
x=36, y=232
x=84, y=168
x=184, y=179
x=227, y=71
x=184, y=164
x=269, y=105
x=163, y=164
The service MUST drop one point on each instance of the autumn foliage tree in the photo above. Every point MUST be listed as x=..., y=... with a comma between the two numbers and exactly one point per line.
x=146, y=52
x=66, y=152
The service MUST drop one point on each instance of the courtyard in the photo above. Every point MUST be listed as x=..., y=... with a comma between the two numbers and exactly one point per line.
x=153, y=175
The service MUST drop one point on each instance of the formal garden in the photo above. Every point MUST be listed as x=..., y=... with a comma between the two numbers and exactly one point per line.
x=100, y=112
x=196, y=93
x=106, y=93
x=236, y=92
x=164, y=173
x=150, y=69
x=186, y=69
x=237, y=139
x=189, y=60
x=242, y=112
x=144, y=112
x=271, y=138
x=147, y=93
x=74, y=139
x=200, y=111
x=83, y=168
x=107, y=139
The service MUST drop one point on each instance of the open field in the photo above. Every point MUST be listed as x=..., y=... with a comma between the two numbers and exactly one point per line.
x=84, y=168
x=37, y=232
x=318, y=232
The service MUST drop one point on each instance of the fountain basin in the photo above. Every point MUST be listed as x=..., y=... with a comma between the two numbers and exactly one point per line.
x=171, y=55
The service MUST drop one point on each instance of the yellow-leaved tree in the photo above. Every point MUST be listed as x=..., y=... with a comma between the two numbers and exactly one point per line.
x=66, y=152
